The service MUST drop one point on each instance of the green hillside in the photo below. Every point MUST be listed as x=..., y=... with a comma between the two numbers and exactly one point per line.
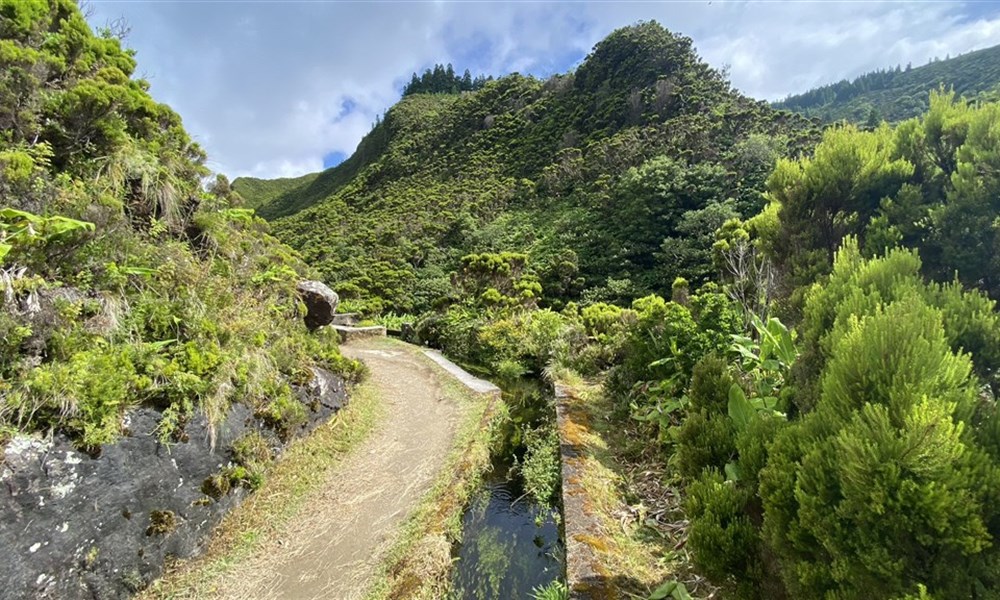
x=276, y=198
x=125, y=283
x=564, y=169
x=899, y=93
x=259, y=192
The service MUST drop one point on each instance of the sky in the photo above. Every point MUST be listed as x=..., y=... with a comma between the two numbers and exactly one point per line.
x=284, y=88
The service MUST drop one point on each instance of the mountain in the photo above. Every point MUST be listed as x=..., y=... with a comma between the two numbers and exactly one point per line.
x=589, y=173
x=900, y=93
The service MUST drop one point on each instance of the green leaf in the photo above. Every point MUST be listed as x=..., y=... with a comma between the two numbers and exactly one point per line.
x=670, y=589
x=740, y=409
x=143, y=271
x=681, y=592
x=11, y=214
x=664, y=591
x=60, y=225
x=5, y=250
x=160, y=345
x=732, y=472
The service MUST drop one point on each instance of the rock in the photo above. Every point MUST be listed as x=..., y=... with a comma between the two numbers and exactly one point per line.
x=324, y=394
x=327, y=389
x=321, y=303
x=346, y=319
x=353, y=333
x=75, y=526
x=101, y=526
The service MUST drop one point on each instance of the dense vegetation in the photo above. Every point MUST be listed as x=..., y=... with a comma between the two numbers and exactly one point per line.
x=613, y=179
x=125, y=283
x=821, y=381
x=900, y=93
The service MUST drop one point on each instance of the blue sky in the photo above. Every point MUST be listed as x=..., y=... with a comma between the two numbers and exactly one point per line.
x=283, y=88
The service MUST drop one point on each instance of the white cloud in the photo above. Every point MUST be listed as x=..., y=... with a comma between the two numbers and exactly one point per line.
x=263, y=85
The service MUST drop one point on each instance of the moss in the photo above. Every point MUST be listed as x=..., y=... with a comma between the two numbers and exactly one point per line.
x=133, y=580
x=216, y=486
x=161, y=522
x=252, y=450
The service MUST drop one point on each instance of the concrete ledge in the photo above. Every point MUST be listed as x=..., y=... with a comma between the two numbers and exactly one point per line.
x=352, y=333
x=347, y=319
x=480, y=386
x=585, y=575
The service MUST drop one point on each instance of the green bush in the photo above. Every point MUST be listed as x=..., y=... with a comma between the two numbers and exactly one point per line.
x=665, y=342
x=727, y=544
x=87, y=395
x=883, y=485
x=703, y=441
x=541, y=467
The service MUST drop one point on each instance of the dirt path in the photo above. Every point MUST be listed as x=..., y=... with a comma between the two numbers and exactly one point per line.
x=332, y=547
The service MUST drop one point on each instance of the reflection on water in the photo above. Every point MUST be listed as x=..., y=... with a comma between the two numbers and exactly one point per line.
x=509, y=545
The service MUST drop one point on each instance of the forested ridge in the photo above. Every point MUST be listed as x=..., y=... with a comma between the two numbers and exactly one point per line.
x=585, y=171
x=898, y=93
x=799, y=325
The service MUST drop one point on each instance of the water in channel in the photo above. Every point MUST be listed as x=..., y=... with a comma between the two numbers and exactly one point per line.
x=510, y=544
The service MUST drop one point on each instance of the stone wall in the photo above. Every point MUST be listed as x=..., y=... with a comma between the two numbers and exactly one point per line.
x=585, y=576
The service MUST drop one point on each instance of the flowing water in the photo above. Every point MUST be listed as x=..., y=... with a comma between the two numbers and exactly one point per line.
x=510, y=544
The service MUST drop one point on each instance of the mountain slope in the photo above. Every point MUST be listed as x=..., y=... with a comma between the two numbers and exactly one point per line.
x=275, y=198
x=259, y=192
x=126, y=284
x=898, y=94
x=589, y=173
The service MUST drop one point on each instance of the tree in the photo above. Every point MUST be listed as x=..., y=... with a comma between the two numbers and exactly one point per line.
x=831, y=195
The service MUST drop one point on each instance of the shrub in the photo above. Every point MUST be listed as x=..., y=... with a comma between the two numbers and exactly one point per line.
x=883, y=486
x=726, y=542
x=87, y=395
x=704, y=441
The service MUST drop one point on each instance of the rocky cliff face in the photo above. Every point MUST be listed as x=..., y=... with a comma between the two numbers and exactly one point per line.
x=74, y=525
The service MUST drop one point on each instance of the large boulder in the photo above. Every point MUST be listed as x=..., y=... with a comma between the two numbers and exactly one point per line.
x=321, y=303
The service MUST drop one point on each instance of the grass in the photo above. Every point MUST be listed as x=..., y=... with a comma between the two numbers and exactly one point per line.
x=390, y=320
x=307, y=463
x=630, y=547
x=419, y=564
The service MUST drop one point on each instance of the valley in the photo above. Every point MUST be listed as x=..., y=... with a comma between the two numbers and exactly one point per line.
x=649, y=336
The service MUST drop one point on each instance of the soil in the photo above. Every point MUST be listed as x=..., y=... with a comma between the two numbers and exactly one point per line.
x=331, y=549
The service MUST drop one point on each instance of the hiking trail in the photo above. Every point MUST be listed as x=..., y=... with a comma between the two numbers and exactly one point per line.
x=331, y=549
